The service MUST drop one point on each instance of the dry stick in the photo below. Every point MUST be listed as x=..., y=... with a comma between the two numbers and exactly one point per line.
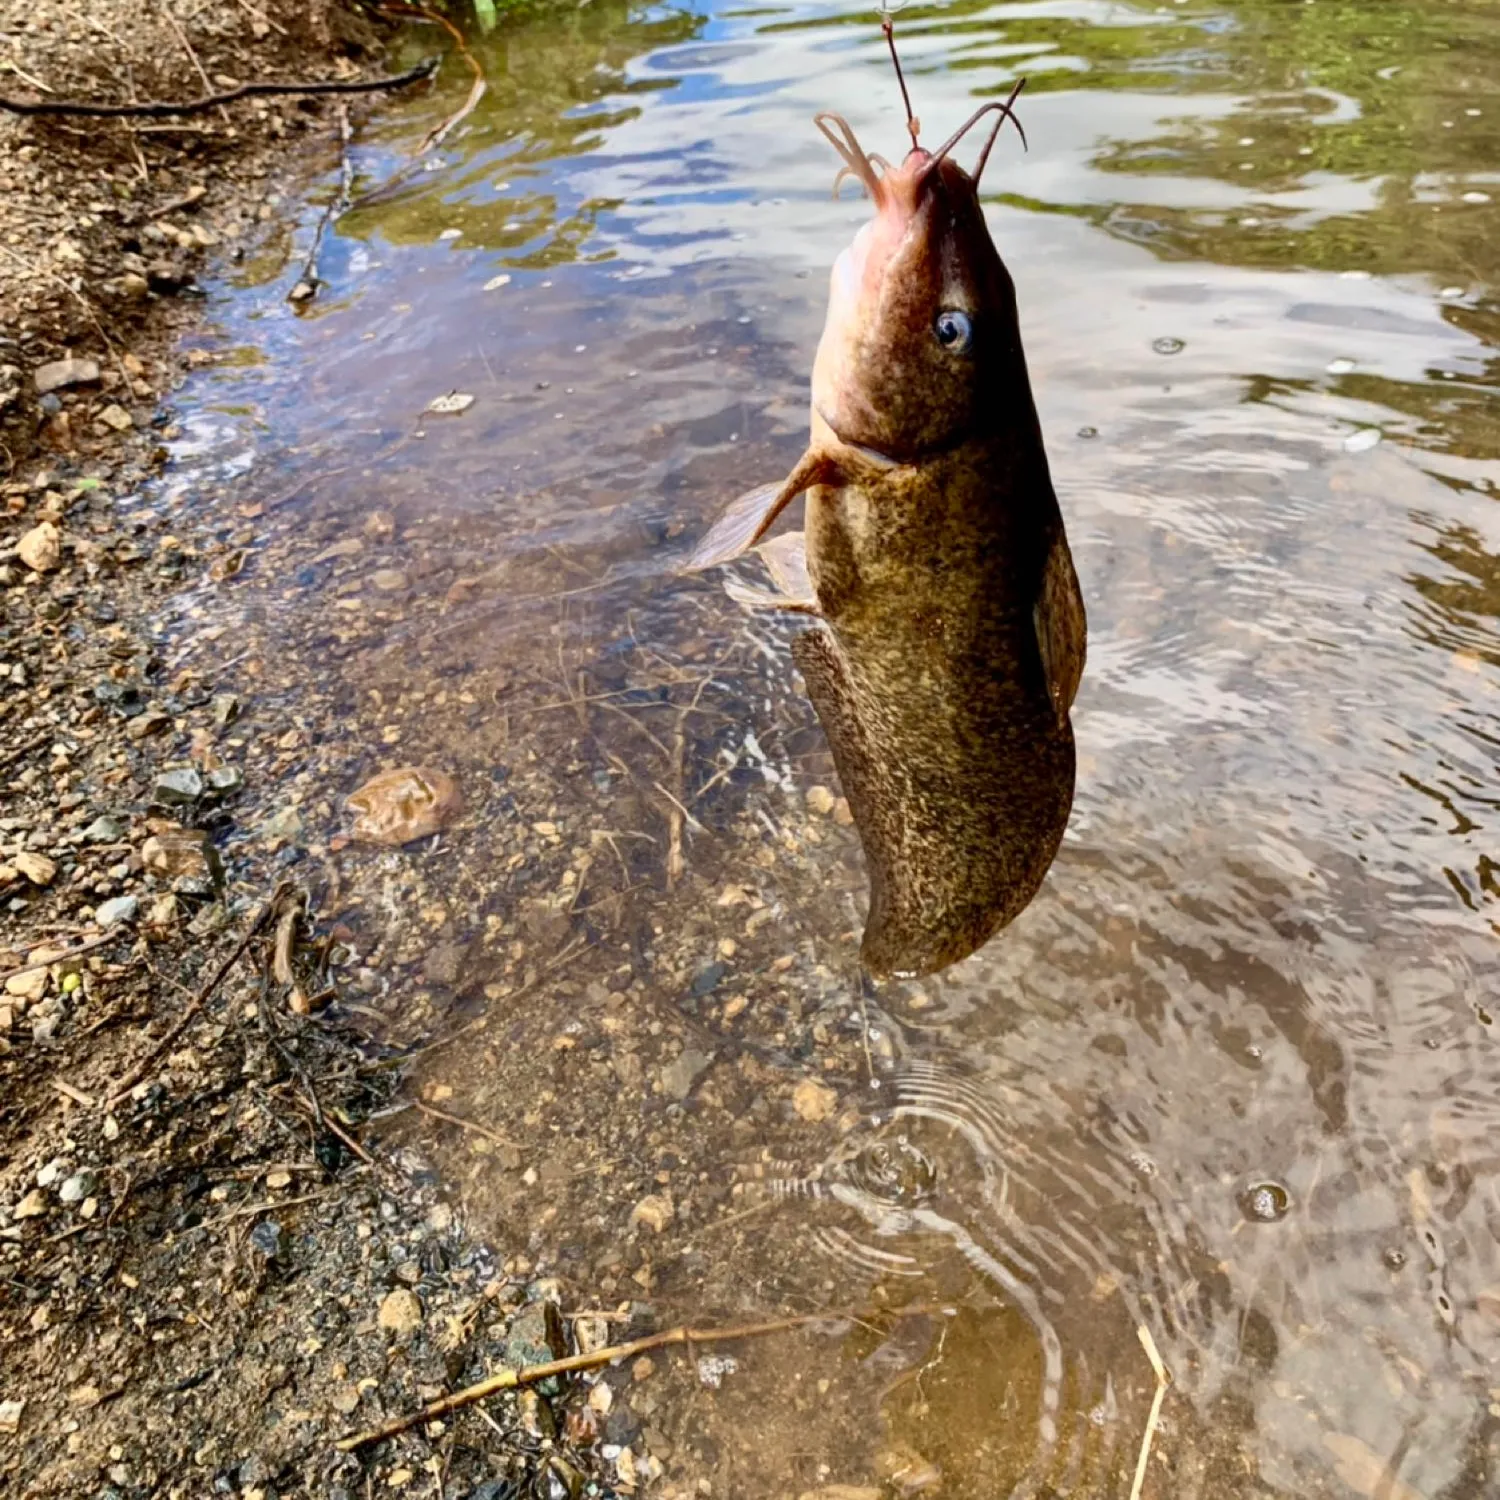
x=1162, y=1380
x=463, y=1124
x=139, y=1071
x=307, y=284
x=59, y=958
x=508, y=1380
x=439, y=132
x=187, y=47
x=155, y=109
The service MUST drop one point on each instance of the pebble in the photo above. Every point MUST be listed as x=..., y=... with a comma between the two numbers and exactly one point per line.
x=654, y=1211
x=30, y=986
x=820, y=800
x=401, y=1313
x=37, y=868
x=120, y=909
x=814, y=1101
x=32, y=1206
x=679, y=1075
x=104, y=830
x=268, y=1238
x=285, y=825
x=77, y=1187
x=706, y=980
x=176, y=788
x=41, y=548
x=389, y=580
x=10, y=1415
x=222, y=780
x=117, y=417
x=407, y=803
x=180, y=852
x=60, y=373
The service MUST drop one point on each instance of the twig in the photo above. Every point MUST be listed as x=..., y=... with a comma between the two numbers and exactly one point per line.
x=307, y=284
x=507, y=1380
x=463, y=1124
x=262, y=921
x=58, y=958
x=187, y=46
x=1162, y=1381
x=78, y=1096
x=155, y=109
x=439, y=132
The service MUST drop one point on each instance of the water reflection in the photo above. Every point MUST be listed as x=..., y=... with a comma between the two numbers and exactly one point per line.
x=1257, y=288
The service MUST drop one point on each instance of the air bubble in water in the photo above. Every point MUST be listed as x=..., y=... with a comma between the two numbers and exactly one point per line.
x=1265, y=1202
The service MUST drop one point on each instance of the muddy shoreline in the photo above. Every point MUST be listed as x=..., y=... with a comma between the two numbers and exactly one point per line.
x=207, y=1275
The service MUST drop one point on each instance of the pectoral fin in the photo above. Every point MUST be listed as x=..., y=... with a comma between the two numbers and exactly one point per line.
x=785, y=557
x=1061, y=627
x=746, y=520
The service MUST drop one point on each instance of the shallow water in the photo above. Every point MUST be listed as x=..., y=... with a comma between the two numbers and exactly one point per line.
x=1233, y=1077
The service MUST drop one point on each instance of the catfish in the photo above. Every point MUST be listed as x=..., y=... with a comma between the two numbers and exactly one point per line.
x=948, y=629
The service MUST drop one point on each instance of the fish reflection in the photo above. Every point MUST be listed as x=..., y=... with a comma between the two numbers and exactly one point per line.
x=952, y=629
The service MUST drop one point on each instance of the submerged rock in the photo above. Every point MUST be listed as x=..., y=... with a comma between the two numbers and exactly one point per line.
x=404, y=804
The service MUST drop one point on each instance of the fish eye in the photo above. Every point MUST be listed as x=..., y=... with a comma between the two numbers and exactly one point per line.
x=954, y=330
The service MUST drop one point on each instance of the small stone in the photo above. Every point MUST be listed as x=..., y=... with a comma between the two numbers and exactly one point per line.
x=77, y=1187
x=41, y=548
x=451, y=404
x=389, y=580
x=181, y=852
x=52, y=1172
x=225, y=708
x=221, y=780
x=10, y=1415
x=345, y=1400
x=104, y=830
x=444, y=964
x=643, y=1368
x=842, y=814
x=177, y=788
x=117, y=417
x=269, y=1239
x=32, y=1206
x=655, y=1212
x=284, y=826
x=679, y=1075
x=37, y=868
x=60, y=373
x=404, y=804
x=278, y=1179
x=401, y=1313
x=30, y=986
x=820, y=800
x=814, y=1101
x=706, y=980
x=120, y=909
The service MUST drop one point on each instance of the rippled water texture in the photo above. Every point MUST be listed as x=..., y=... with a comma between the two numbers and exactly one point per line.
x=1233, y=1076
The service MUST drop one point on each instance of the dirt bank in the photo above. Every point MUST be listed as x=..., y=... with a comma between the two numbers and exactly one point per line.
x=205, y=1276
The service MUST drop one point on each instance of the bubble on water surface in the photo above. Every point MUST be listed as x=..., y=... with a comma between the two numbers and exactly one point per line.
x=1265, y=1202
x=1339, y=366
x=1168, y=345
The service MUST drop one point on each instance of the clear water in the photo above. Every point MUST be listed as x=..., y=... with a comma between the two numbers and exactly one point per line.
x=1233, y=1077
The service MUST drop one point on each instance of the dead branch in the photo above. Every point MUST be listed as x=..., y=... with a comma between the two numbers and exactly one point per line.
x=1162, y=1380
x=507, y=1380
x=155, y=109
x=309, y=281
x=263, y=919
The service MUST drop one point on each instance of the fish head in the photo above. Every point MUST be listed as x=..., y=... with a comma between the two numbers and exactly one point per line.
x=921, y=337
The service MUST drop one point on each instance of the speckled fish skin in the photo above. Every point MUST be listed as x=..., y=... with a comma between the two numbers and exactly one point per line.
x=952, y=629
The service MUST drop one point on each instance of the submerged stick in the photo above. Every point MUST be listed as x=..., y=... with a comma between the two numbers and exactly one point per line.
x=1162, y=1381
x=156, y=109
x=508, y=1380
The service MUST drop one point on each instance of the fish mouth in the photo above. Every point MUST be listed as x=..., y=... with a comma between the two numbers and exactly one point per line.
x=875, y=455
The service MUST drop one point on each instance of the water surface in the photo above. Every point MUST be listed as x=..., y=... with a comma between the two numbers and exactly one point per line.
x=1233, y=1077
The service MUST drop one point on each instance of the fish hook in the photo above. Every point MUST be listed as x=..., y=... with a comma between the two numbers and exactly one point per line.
x=1005, y=112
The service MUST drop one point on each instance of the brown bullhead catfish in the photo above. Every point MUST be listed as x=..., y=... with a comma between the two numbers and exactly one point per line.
x=951, y=635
